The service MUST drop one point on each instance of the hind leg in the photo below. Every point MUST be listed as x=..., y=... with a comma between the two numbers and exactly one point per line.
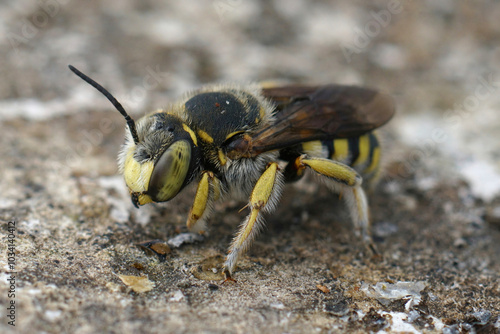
x=346, y=181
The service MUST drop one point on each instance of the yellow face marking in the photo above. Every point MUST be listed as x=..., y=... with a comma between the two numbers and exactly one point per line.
x=222, y=157
x=205, y=136
x=312, y=148
x=137, y=175
x=364, y=150
x=341, y=149
x=375, y=161
x=191, y=133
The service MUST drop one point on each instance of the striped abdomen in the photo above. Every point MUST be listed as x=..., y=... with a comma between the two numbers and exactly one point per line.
x=362, y=153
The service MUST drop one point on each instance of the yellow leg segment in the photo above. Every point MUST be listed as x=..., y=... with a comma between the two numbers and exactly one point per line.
x=346, y=181
x=207, y=193
x=264, y=195
x=336, y=171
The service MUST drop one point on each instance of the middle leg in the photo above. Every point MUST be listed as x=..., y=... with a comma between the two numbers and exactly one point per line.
x=263, y=198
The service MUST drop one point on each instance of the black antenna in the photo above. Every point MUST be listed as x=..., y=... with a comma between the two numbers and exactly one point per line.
x=118, y=106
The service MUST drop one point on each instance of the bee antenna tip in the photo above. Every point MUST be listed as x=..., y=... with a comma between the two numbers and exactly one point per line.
x=111, y=98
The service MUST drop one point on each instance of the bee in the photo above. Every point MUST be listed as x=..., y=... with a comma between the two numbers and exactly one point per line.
x=245, y=142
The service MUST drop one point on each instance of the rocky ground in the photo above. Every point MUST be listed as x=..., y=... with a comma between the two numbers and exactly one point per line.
x=436, y=211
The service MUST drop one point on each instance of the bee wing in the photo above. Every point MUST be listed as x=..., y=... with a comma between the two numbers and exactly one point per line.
x=306, y=113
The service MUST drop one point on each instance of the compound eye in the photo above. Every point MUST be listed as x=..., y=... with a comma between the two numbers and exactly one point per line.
x=170, y=172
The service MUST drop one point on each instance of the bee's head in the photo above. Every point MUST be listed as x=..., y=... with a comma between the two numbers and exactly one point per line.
x=162, y=162
x=160, y=154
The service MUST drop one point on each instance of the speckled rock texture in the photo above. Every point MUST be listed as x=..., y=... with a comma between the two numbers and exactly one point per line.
x=436, y=211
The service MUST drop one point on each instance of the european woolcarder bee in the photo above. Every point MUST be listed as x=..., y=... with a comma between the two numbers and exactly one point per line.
x=246, y=141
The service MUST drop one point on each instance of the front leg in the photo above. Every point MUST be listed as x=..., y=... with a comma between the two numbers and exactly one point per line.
x=264, y=198
x=208, y=191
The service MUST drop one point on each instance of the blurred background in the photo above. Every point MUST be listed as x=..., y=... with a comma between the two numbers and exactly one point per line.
x=439, y=199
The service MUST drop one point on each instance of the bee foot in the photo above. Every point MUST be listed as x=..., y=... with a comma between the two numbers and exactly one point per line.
x=228, y=277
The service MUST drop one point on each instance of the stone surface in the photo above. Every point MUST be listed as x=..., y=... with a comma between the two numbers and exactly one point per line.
x=434, y=211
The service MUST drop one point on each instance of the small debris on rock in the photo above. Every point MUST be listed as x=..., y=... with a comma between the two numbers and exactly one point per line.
x=385, y=293
x=138, y=284
x=481, y=317
x=210, y=269
x=113, y=287
x=138, y=266
x=373, y=321
x=177, y=297
x=184, y=238
x=322, y=288
x=157, y=247
x=336, y=307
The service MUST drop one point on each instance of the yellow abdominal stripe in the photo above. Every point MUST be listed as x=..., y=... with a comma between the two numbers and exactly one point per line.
x=364, y=150
x=375, y=161
x=341, y=149
x=313, y=148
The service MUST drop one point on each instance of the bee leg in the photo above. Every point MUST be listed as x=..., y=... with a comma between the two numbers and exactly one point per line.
x=263, y=199
x=207, y=193
x=346, y=181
